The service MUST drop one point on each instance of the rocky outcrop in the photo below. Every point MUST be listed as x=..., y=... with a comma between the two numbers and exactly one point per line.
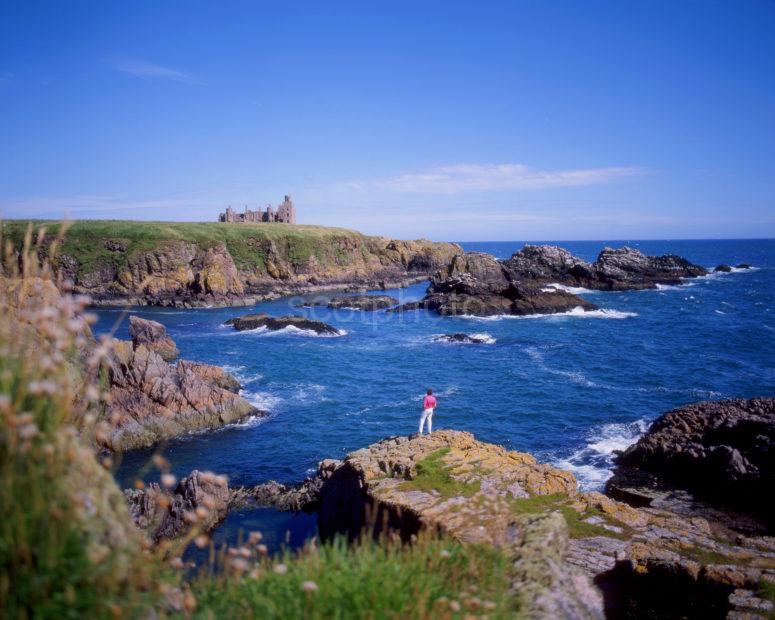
x=724, y=451
x=647, y=561
x=383, y=486
x=614, y=270
x=151, y=400
x=256, y=321
x=154, y=336
x=368, y=303
x=200, y=500
x=478, y=284
x=463, y=338
x=723, y=269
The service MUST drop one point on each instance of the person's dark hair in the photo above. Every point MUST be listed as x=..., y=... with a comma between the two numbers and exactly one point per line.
x=430, y=391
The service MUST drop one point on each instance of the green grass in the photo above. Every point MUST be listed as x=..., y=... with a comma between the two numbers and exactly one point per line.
x=766, y=591
x=248, y=244
x=433, y=475
x=373, y=580
x=577, y=526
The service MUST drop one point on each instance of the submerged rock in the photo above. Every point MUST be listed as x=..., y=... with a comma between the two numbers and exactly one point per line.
x=744, y=266
x=255, y=321
x=721, y=450
x=154, y=336
x=723, y=269
x=478, y=284
x=463, y=338
x=367, y=303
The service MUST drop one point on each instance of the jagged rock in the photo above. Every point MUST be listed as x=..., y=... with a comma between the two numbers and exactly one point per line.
x=462, y=338
x=255, y=321
x=743, y=266
x=723, y=268
x=615, y=269
x=200, y=500
x=151, y=400
x=154, y=336
x=358, y=302
x=214, y=375
x=480, y=285
x=721, y=450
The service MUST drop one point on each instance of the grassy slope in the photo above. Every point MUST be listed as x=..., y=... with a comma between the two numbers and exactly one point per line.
x=244, y=241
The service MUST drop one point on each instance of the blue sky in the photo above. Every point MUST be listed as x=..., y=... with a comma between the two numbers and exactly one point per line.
x=446, y=120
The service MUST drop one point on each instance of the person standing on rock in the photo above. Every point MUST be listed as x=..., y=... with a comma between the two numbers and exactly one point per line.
x=428, y=406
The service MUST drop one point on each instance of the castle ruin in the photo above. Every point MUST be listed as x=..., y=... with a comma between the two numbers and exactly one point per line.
x=285, y=214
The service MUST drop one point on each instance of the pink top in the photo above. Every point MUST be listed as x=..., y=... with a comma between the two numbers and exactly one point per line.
x=429, y=402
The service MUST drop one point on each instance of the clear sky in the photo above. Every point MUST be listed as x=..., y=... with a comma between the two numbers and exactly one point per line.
x=447, y=120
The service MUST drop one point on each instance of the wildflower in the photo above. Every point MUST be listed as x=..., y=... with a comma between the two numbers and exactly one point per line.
x=309, y=586
x=444, y=553
x=488, y=605
x=168, y=480
x=176, y=562
x=202, y=541
x=239, y=565
x=28, y=431
x=280, y=569
x=139, y=484
x=454, y=606
x=255, y=538
x=442, y=600
x=244, y=552
x=160, y=461
x=262, y=549
x=202, y=512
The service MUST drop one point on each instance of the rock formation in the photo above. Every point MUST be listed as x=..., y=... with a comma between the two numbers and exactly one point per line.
x=154, y=336
x=614, y=270
x=647, y=561
x=367, y=303
x=478, y=284
x=463, y=338
x=151, y=400
x=256, y=321
x=199, y=500
x=724, y=451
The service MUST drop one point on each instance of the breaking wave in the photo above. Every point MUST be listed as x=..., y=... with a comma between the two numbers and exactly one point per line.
x=592, y=465
x=576, y=290
x=577, y=312
x=290, y=330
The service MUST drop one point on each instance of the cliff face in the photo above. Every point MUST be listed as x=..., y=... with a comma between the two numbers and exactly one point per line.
x=230, y=264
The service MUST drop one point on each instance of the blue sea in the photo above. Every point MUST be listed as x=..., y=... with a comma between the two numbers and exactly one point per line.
x=569, y=389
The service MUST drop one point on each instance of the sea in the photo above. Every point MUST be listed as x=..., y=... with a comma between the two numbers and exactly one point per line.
x=570, y=389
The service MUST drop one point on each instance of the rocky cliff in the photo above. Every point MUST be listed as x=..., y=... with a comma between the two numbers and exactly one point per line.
x=227, y=264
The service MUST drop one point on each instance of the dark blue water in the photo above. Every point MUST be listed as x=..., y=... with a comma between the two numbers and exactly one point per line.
x=569, y=389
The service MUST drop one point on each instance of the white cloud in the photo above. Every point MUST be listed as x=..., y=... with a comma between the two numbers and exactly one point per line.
x=152, y=71
x=493, y=178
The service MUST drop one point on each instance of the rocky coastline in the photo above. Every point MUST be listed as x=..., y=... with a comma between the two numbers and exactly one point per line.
x=579, y=554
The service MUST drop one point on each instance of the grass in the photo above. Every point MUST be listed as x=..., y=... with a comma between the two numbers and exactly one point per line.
x=431, y=578
x=766, y=591
x=577, y=526
x=433, y=475
x=248, y=244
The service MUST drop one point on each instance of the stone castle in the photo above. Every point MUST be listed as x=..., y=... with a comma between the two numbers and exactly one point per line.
x=285, y=214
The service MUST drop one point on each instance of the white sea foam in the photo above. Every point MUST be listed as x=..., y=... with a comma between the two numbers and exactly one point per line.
x=262, y=400
x=290, y=330
x=576, y=290
x=719, y=312
x=577, y=312
x=592, y=464
x=483, y=337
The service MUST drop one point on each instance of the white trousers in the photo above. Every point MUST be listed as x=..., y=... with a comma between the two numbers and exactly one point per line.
x=427, y=414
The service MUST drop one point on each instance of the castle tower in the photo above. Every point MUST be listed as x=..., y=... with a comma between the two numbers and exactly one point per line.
x=286, y=212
